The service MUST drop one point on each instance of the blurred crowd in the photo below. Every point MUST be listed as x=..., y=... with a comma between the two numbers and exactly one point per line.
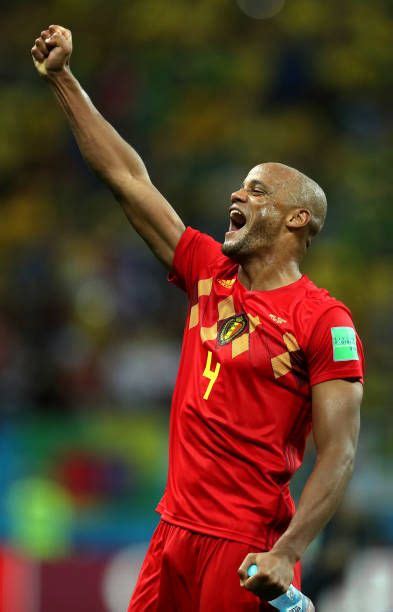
x=90, y=329
x=83, y=306
x=86, y=323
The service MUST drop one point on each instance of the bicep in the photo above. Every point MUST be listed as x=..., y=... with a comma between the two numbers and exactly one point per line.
x=151, y=215
x=336, y=415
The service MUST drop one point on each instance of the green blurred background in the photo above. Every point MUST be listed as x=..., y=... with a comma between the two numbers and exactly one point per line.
x=90, y=329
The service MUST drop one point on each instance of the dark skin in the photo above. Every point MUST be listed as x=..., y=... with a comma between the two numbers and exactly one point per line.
x=336, y=421
x=268, y=248
x=271, y=244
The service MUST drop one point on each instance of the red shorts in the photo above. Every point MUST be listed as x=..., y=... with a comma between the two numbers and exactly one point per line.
x=184, y=571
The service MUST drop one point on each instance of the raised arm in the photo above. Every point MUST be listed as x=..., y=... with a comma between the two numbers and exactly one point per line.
x=336, y=418
x=109, y=156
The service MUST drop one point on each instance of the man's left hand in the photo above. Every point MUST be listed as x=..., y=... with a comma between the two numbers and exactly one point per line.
x=275, y=574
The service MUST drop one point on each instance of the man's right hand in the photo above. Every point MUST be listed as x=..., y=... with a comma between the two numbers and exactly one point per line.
x=52, y=50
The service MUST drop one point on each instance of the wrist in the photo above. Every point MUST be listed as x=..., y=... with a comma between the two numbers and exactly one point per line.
x=54, y=76
x=286, y=551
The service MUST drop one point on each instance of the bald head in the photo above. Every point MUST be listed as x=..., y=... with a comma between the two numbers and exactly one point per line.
x=278, y=210
x=294, y=190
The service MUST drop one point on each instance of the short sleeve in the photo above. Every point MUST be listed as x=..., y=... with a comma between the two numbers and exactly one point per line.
x=334, y=349
x=194, y=253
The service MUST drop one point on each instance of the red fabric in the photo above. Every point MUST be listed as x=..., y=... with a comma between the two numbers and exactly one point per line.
x=319, y=350
x=231, y=456
x=190, y=572
x=18, y=582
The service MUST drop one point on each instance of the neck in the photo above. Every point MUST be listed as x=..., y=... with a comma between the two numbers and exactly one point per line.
x=268, y=273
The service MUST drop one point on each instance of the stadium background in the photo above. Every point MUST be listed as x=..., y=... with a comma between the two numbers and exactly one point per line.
x=90, y=330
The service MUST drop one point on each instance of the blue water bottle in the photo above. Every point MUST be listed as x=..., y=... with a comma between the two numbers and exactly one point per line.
x=291, y=601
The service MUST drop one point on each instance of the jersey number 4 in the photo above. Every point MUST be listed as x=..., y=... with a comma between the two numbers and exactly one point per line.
x=212, y=375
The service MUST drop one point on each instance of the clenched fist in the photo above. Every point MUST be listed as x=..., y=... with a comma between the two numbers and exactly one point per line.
x=275, y=574
x=52, y=50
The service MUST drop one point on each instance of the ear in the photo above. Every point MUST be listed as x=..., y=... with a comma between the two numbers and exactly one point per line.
x=297, y=218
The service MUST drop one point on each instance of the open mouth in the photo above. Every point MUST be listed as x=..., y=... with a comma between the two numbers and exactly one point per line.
x=237, y=219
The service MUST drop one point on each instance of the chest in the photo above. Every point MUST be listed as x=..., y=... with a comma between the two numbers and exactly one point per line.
x=248, y=335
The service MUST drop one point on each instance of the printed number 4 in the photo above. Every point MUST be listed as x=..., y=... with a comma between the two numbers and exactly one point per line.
x=212, y=375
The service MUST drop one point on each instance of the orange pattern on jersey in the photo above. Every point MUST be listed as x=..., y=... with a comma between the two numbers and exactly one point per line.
x=282, y=363
x=226, y=309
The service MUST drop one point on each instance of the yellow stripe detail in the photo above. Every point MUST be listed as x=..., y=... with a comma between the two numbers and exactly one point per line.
x=205, y=286
x=240, y=345
x=254, y=322
x=194, y=316
x=226, y=308
x=281, y=365
x=291, y=342
x=209, y=333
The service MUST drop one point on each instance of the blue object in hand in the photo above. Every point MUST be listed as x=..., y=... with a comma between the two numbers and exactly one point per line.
x=252, y=570
x=292, y=600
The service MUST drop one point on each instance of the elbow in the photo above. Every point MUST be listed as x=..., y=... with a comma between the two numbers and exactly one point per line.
x=341, y=459
x=347, y=463
x=347, y=468
x=116, y=180
x=350, y=464
x=349, y=455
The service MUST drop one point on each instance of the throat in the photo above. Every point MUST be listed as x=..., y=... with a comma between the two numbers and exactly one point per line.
x=262, y=277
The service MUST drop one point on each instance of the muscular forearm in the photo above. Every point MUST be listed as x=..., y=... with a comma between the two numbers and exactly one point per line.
x=321, y=495
x=336, y=422
x=320, y=498
x=101, y=146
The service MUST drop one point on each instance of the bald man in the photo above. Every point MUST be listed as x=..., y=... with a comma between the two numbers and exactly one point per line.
x=267, y=357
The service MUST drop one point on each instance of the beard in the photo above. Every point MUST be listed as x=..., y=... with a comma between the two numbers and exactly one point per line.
x=239, y=247
x=247, y=242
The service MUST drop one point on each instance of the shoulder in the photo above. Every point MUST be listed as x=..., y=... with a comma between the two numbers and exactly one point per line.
x=318, y=307
x=197, y=255
x=204, y=248
x=318, y=300
x=328, y=337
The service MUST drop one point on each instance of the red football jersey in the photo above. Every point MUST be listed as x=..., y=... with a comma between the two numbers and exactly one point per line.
x=241, y=409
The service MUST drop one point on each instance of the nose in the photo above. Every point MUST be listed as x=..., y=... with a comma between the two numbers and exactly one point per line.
x=239, y=196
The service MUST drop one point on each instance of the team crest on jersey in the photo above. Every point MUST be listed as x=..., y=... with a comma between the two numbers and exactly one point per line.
x=227, y=283
x=232, y=328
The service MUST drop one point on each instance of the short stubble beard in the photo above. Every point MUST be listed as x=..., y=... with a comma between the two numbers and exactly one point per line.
x=239, y=249
x=260, y=236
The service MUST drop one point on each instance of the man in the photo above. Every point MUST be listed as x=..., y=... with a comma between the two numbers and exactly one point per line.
x=266, y=356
